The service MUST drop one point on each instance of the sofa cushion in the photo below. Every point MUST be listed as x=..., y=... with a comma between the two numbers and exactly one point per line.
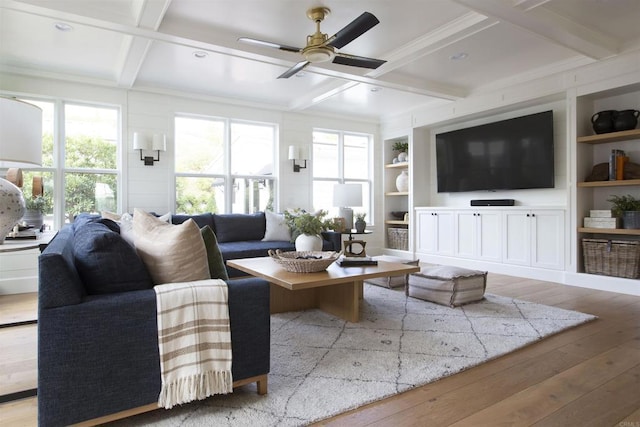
x=200, y=219
x=239, y=227
x=217, y=269
x=172, y=253
x=252, y=248
x=105, y=262
x=276, y=227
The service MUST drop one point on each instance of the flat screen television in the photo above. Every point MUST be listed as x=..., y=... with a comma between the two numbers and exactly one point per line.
x=505, y=155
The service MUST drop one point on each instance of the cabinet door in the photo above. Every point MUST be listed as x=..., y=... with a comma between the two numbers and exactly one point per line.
x=426, y=232
x=466, y=234
x=489, y=236
x=446, y=235
x=547, y=239
x=517, y=237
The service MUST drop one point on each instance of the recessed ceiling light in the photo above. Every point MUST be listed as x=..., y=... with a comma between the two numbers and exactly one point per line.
x=301, y=74
x=61, y=26
x=200, y=54
x=375, y=89
x=459, y=56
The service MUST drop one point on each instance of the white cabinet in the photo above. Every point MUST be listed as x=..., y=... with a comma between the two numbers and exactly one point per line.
x=479, y=235
x=534, y=238
x=435, y=231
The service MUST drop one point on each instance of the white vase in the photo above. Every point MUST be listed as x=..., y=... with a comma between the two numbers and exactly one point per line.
x=11, y=206
x=402, y=182
x=403, y=157
x=307, y=242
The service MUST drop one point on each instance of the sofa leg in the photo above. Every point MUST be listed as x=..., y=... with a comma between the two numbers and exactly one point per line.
x=262, y=385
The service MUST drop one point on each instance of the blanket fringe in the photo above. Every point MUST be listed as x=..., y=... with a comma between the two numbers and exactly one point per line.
x=199, y=386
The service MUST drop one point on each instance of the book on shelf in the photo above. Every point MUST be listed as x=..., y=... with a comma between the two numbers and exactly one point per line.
x=616, y=164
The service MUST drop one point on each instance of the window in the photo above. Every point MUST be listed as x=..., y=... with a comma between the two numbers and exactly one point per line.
x=80, y=174
x=341, y=158
x=90, y=159
x=224, y=166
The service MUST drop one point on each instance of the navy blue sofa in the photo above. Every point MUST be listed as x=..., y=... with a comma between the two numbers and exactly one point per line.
x=240, y=236
x=98, y=352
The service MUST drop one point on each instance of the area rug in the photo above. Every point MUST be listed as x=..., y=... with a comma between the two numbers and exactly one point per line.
x=322, y=366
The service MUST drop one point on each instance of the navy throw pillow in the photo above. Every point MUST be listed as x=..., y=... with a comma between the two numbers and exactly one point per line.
x=239, y=227
x=106, y=263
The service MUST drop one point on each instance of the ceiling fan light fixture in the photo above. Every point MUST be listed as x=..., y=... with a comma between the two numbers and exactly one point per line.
x=316, y=54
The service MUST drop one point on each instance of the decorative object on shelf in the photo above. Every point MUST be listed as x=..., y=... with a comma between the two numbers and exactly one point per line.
x=20, y=145
x=628, y=208
x=402, y=182
x=346, y=196
x=157, y=143
x=395, y=160
x=403, y=149
x=360, y=223
x=398, y=238
x=304, y=261
x=602, y=121
x=619, y=258
x=625, y=120
x=398, y=214
x=617, y=161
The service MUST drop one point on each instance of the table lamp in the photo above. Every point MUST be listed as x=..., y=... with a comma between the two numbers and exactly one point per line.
x=345, y=196
x=20, y=145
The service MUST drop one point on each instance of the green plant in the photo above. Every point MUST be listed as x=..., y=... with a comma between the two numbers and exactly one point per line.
x=360, y=216
x=302, y=222
x=38, y=203
x=401, y=146
x=624, y=203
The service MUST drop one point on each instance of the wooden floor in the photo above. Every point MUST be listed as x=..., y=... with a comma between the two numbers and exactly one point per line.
x=587, y=376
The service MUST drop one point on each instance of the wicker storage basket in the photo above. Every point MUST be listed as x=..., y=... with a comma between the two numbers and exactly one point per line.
x=619, y=258
x=398, y=238
x=296, y=263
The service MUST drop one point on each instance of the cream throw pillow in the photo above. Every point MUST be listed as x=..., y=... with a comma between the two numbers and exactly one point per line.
x=171, y=253
x=277, y=228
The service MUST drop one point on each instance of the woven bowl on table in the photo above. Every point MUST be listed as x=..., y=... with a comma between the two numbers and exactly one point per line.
x=301, y=261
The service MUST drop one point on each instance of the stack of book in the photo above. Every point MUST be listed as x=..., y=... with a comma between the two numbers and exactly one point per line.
x=356, y=261
x=616, y=164
x=601, y=219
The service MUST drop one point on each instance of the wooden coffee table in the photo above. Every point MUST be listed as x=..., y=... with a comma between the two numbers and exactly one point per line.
x=337, y=290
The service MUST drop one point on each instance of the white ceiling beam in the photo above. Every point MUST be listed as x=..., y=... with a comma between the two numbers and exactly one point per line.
x=149, y=15
x=550, y=26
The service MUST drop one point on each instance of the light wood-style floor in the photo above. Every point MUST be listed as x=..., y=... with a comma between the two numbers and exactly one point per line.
x=587, y=376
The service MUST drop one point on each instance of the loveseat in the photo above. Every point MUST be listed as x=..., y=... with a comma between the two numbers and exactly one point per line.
x=97, y=331
x=249, y=235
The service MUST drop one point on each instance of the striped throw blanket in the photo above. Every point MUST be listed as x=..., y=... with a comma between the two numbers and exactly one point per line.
x=194, y=341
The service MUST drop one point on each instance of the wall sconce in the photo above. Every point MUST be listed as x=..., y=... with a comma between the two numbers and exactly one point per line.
x=294, y=154
x=158, y=143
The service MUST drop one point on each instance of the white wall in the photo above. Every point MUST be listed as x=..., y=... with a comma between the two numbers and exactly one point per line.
x=152, y=187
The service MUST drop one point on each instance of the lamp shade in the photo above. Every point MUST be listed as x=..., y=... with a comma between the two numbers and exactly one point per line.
x=20, y=134
x=159, y=142
x=347, y=195
x=141, y=142
x=294, y=153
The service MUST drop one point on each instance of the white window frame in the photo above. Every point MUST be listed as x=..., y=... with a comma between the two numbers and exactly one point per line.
x=226, y=175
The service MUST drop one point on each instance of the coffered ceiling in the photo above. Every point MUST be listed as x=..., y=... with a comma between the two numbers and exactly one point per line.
x=436, y=50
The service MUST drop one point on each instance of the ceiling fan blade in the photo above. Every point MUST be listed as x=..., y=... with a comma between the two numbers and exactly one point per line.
x=269, y=44
x=294, y=70
x=355, y=29
x=357, y=61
